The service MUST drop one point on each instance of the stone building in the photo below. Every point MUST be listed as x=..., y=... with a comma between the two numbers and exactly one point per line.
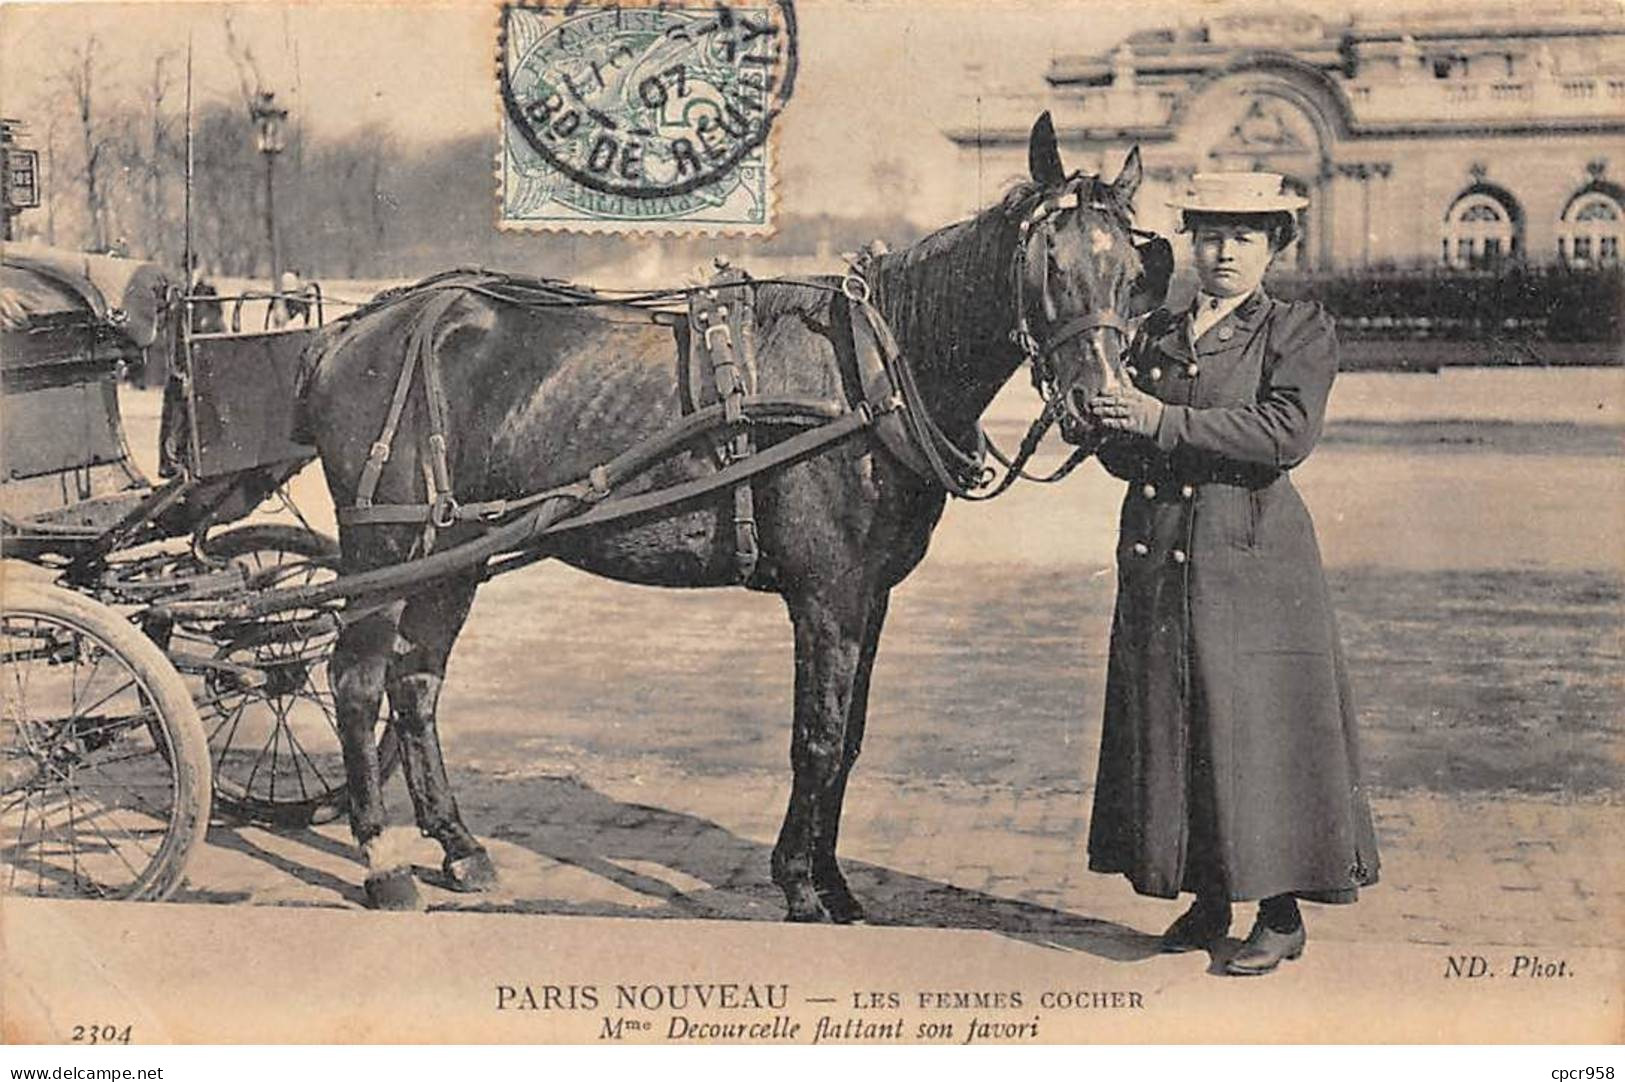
x=1465, y=138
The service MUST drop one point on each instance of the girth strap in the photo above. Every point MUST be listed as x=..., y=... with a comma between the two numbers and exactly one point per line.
x=722, y=321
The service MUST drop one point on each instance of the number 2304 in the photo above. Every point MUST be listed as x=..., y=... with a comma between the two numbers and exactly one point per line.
x=105, y=1034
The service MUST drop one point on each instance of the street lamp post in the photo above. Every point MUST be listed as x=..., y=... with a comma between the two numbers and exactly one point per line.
x=269, y=141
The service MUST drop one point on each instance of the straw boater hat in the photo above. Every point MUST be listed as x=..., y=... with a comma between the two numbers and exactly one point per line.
x=1237, y=193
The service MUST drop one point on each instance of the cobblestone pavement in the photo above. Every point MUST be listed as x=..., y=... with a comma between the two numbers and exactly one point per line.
x=639, y=839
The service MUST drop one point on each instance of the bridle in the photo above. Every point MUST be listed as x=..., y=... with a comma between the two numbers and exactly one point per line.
x=963, y=472
x=1042, y=220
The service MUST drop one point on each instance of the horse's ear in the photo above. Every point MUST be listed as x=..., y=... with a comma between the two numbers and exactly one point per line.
x=1043, y=156
x=1128, y=178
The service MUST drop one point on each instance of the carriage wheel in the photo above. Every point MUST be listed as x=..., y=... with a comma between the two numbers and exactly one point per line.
x=104, y=772
x=274, y=741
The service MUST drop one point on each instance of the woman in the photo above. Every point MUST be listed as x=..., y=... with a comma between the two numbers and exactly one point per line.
x=1228, y=764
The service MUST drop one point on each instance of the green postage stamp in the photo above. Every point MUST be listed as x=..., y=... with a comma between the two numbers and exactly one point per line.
x=627, y=117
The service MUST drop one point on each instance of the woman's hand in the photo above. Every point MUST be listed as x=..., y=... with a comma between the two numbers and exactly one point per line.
x=1127, y=409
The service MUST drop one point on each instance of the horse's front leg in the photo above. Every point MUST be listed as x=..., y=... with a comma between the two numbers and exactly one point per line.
x=838, y=900
x=429, y=627
x=829, y=643
x=359, y=666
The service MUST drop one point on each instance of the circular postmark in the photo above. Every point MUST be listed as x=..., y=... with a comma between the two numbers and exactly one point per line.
x=646, y=101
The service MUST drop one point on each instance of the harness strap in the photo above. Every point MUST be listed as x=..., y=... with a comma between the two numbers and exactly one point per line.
x=880, y=393
x=554, y=517
x=796, y=447
x=920, y=430
x=434, y=395
x=1090, y=321
x=420, y=346
x=722, y=321
x=776, y=409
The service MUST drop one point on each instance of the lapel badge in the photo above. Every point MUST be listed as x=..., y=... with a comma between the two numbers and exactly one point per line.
x=1226, y=333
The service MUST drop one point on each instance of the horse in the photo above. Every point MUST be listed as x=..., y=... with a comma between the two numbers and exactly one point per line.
x=535, y=396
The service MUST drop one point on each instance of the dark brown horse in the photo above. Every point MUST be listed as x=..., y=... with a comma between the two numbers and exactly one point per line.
x=537, y=397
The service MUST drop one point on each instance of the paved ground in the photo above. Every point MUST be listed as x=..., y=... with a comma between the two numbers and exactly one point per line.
x=978, y=892
x=640, y=839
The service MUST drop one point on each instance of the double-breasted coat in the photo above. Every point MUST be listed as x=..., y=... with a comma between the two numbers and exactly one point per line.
x=1229, y=762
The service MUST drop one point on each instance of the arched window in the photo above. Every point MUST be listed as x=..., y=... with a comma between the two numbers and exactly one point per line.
x=1480, y=230
x=1591, y=229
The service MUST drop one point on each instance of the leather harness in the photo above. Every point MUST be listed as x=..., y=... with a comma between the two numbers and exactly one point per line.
x=721, y=327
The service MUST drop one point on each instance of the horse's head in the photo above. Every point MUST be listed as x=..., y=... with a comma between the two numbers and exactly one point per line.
x=1081, y=278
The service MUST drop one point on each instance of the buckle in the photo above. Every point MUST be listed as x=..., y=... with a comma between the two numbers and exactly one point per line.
x=378, y=452
x=856, y=287
x=443, y=512
x=598, y=482
x=1023, y=339
x=727, y=335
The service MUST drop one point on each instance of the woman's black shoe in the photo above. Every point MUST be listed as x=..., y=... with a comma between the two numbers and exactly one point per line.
x=1198, y=928
x=1264, y=950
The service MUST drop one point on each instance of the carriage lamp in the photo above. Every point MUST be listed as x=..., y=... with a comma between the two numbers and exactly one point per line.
x=269, y=141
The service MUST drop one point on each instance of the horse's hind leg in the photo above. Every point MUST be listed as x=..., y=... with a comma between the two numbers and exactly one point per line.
x=829, y=634
x=359, y=667
x=838, y=900
x=429, y=627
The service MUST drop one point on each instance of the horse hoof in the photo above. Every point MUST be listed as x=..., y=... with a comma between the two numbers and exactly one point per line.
x=393, y=890
x=471, y=874
x=803, y=907
x=806, y=916
x=843, y=908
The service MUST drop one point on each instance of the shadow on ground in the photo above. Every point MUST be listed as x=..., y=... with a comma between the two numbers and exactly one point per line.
x=563, y=848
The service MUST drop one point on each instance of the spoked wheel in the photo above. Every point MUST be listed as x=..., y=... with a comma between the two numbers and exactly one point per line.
x=268, y=709
x=104, y=772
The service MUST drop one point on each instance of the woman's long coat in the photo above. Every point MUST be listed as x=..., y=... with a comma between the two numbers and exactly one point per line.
x=1228, y=760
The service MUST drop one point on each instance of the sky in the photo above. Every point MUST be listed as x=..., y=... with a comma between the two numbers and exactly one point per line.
x=878, y=82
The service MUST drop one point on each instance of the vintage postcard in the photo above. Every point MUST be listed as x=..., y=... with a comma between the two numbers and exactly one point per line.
x=807, y=522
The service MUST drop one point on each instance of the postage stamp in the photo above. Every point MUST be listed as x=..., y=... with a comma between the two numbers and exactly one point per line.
x=621, y=117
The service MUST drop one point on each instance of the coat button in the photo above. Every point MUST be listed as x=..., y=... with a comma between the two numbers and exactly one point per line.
x=1186, y=492
x=1191, y=370
x=1156, y=373
x=1179, y=556
x=1226, y=333
x=1149, y=492
x=1141, y=548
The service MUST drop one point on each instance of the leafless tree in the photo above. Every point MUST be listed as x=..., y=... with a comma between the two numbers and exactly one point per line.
x=81, y=78
x=226, y=210
x=160, y=158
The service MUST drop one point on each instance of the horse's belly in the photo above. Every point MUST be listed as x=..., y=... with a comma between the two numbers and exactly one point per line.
x=693, y=548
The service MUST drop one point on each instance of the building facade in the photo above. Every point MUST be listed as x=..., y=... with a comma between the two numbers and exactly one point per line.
x=1465, y=139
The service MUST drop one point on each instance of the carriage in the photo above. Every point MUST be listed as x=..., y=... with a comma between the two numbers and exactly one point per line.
x=119, y=722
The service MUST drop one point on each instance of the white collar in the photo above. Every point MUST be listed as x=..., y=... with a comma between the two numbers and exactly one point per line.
x=1210, y=308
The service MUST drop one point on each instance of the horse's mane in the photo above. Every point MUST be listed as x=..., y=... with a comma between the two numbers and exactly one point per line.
x=521, y=287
